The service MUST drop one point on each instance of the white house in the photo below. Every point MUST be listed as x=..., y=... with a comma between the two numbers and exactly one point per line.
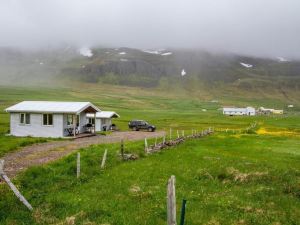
x=103, y=120
x=50, y=119
x=233, y=111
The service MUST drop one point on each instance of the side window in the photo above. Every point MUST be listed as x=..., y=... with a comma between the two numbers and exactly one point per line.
x=47, y=119
x=69, y=119
x=25, y=118
x=91, y=120
x=22, y=118
x=77, y=120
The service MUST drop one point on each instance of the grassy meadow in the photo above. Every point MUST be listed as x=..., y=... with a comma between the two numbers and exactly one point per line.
x=236, y=177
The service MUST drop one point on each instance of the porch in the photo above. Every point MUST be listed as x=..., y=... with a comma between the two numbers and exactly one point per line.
x=77, y=125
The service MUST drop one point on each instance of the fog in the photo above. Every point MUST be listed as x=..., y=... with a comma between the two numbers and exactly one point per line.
x=255, y=27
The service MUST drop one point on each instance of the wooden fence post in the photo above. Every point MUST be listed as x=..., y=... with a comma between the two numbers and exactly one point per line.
x=177, y=134
x=1, y=166
x=146, y=145
x=13, y=187
x=104, y=159
x=78, y=164
x=171, y=201
x=164, y=140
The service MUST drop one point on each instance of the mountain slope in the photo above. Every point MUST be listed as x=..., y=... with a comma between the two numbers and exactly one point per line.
x=151, y=68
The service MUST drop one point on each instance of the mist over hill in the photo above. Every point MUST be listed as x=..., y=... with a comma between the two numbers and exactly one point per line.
x=149, y=68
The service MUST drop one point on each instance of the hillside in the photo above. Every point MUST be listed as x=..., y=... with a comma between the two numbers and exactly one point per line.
x=189, y=70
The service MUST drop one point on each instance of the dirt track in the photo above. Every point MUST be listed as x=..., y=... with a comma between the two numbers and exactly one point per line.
x=46, y=152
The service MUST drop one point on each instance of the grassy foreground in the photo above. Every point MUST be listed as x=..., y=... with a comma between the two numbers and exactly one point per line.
x=234, y=177
x=226, y=178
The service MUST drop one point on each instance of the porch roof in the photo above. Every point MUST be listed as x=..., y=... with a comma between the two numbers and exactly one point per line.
x=104, y=115
x=53, y=107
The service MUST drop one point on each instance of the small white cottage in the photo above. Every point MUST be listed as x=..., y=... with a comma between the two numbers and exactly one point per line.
x=50, y=119
x=233, y=111
x=103, y=120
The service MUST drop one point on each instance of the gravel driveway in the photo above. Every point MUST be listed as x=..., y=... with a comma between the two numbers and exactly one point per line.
x=46, y=152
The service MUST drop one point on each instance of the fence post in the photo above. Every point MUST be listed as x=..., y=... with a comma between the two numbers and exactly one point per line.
x=13, y=187
x=122, y=148
x=78, y=164
x=103, y=159
x=1, y=166
x=182, y=133
x=146, y=145
x=171, y=201
x=177, y=134
x=182, y=216
x=155, y=141
x=164, y=140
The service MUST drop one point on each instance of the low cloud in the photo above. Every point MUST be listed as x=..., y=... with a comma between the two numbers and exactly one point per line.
x=263, y=28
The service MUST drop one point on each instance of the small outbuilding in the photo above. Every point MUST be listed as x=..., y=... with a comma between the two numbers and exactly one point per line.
x=266, y=111
x=234, y=111
x=103, y=120
x=51, y=119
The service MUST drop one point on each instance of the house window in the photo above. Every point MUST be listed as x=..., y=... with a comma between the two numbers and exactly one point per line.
x=77, y=120
x=47, y=119
x=25, y=118
x=91, y=121
x=70, y=120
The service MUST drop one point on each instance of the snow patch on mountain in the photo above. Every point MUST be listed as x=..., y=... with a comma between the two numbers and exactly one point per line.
x=155, y=52
x=183, y=73
x=167, y=53
x=122, y=53
x=246, y=65
x=281, y=59
x=86, y=52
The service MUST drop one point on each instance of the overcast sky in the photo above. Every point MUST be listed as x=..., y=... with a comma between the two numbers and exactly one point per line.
x=259, y=27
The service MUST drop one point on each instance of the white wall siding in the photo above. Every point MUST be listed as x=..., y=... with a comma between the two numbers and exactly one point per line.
x=36, y=127
x=98, y=124
x=249, y=111
x=82, y=122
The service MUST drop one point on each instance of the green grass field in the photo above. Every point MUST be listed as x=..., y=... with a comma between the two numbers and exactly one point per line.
x=230, y=177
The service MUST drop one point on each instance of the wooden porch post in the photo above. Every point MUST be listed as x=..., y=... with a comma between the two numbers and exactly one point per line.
x=74, y=124
x=94, y=123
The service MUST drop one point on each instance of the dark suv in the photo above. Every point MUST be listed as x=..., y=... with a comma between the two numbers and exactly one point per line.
x=141, y=125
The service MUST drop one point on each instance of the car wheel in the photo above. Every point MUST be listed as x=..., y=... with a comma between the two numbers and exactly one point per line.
x=134, y=129
x=150, y=129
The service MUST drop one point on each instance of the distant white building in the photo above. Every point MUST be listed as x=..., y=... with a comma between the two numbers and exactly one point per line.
x=233, y=111
x=266, y=111
x=50, y=119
